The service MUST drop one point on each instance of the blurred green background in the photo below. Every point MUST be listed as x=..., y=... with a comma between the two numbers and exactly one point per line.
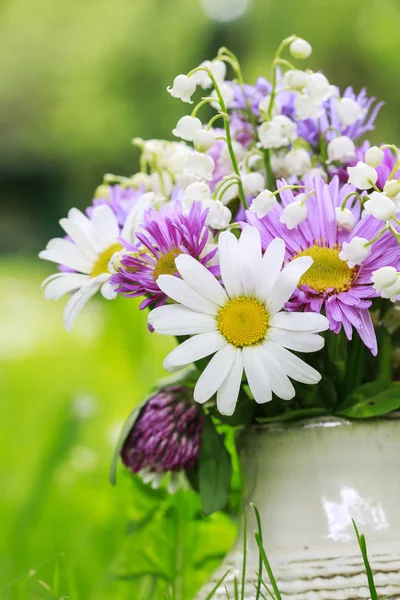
x=77, y=81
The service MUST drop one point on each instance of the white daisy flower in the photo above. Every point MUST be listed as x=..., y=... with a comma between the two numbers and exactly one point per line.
x=87, y=253
x=241, y=322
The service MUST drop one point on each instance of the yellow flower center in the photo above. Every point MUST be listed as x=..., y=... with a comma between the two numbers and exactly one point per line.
x=166, y=263
x=101, y=264
x=328, y=271
x=243, y=321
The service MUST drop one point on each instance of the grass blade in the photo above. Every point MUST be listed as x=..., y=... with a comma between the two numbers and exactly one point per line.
x=242, y=591
x=267, y=566
x=260, y=562
x=215, y=588
x=370, y=576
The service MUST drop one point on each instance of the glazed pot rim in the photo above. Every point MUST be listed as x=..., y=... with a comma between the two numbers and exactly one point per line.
x=317, y=422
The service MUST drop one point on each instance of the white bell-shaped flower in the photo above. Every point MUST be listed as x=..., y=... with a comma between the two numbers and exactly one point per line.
x=263, y=203
x=348, y=111
x=380, y=206
x=187, y=127
x=318, y=87
x=392, y=188
x=294, y=213
x=196, y=192
x=307, y=107
x=227, y=94
x=219, y=216
x=300, y=49
x=201, y=165
x=355, y=251
x=297, y=161
x=280, y=131
x=362, y=176
x=253, y=183
x=204, y=139
x=392, y=292
x=374, y=156
x=218, y=71
x=384, y=277
x=344, y=218
x=341, y=149
x=294, y=79
x=183, y=88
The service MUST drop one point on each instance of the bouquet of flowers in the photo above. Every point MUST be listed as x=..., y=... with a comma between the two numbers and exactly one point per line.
x=261, y=240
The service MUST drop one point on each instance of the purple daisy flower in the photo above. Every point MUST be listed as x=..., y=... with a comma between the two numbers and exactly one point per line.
x=164, y=236
x=330, y=284
x=120, y=199
x=166, y=436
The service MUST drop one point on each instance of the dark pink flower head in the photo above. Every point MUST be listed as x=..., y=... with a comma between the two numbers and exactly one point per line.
x=330, y=285
x=164, y=235
x=166, y=436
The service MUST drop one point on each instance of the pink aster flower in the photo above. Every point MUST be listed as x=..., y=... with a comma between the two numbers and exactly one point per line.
x=163, y=236
x=330, y=285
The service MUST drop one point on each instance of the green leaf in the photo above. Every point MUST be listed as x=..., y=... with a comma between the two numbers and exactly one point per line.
x=336, y=345
x=372, y=400
x=370, y=576
x=215, y=469
x=129, y=423
x=305, y=413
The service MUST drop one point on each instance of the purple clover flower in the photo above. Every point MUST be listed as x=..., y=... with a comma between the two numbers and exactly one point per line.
x=164, y=236
x=166, y=436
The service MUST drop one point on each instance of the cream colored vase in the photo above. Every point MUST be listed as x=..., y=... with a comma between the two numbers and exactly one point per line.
x=308, y=481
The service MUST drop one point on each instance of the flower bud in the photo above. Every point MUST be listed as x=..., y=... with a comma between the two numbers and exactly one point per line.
x=187, y=127
x=300, y=49
x=218, y=70
x=307, y=107
x=374, y=157
x=392, y=292
x=341, y=149
x=166, y=436
x=355, y=251
x=204, y=139
x=380, y=206
x=227, y=94
x=253, y=183
x=294, y=213
x=348, y=111
x=294, y=79
x=197, y=191
x=263, y=203
x=383, y=278
x=362, y=176
x=219, y=216
x=201, y=165
x=278, y=132
x=183, y=88
x=297, y=161
x=344, y=218
x=318, y=87
x=392, y=188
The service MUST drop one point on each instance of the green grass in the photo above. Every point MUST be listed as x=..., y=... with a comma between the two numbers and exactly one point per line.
x=65, y=530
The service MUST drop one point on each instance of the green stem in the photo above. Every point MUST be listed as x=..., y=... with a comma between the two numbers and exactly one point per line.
x=268, y=170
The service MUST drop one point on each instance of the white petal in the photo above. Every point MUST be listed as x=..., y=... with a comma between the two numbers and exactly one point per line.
x=200, y=279
x=175, y=319
x=195, y=348
x=306, y=322
x=228, y=254
x=294, y=367
x=249, y=258
x=280, y=382
x=287, y=282
x=271, y=266
x=135, y=217
x=86, y=226
x=59, y=284
x=82, y=241
x=182, y=292
x=79, y=299
x=228, y=392
x=105, y=225
x=299, y=342
x=257, y=374
x=214, y=374
x=109, y=291
x=66, y=253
